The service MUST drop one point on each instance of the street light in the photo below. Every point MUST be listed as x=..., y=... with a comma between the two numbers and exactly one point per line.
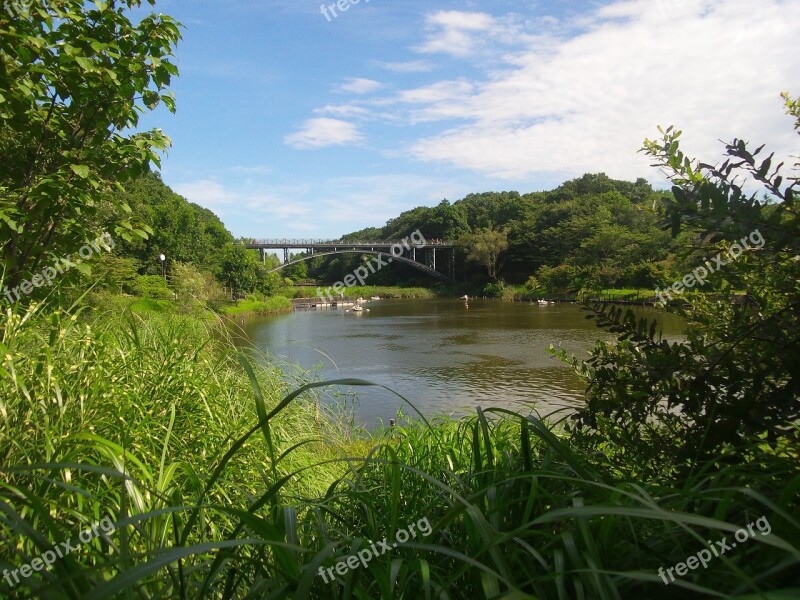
x=163, y=266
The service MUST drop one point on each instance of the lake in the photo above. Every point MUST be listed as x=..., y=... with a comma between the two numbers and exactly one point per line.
x=443, y=355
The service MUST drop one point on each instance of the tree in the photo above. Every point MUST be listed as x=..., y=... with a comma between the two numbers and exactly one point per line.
x=152, y=286
x=183, y=231
x=736, y=376
x=117, y=272
x=195, y=286
x=298, y=271
x=485, y=247
x=74, y=79
x=557, y=280
x=238, y=269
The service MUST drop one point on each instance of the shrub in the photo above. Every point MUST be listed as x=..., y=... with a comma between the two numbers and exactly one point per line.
x=152, y=286
x=493, y=290
x=194, y=286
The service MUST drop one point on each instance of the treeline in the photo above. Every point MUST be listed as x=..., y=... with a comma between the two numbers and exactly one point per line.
x=590, y=233
x=593, y=232
x=202, y=260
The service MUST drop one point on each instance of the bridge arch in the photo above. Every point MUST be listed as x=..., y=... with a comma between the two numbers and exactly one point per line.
x=389, y=256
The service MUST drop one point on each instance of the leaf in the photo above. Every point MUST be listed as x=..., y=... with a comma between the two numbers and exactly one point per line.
x=81, y=171
x=85, y=63
x=84, y=268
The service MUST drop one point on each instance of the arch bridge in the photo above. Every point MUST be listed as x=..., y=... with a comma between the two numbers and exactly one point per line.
x=436, y=257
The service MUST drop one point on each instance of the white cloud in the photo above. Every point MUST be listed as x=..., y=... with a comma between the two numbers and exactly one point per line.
x=412, y=66
x=206, y=193
x=440, y=91
x=452, y=32
x=322, y=132
x=342, y=110
x=585, y=103
x=359, y=85
x=245, y=199
x=339, y=205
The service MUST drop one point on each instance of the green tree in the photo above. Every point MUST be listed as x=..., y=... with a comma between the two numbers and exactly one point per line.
x=74, y=79
x=485, y=247
x=297, y=271
x=268, y=283
x=194, y=286
x=557, y=280
x=736, y=376
x=152, y=286
x=183, y=231
x=117, y=272
x=238, y=269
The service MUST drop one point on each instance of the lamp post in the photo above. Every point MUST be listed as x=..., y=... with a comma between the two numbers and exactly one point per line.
x=163, y=266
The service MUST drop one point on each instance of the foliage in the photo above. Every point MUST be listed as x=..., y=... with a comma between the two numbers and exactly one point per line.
x=485, y=247
x=557, y=280
x=182, y=231
x=735, y=377
x=116, y=272
x=493, y=290
x=592, y=221
x=253, y=305
x=238, y=269
x=146, y=398
x=74, y=80
x=219, y=484
x=194, y=286
x=297, y=271
x=152, y=286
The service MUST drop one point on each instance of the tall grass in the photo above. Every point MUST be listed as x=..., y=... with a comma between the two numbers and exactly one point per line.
x=252, y=305
x=222, y=483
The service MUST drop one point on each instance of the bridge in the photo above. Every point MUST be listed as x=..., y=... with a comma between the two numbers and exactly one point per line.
x=435, y=257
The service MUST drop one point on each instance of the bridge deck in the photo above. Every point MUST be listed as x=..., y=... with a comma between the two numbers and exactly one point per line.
x=404, y=251
x=340, y=244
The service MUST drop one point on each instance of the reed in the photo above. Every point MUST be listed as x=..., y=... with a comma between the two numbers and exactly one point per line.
x=222, y=482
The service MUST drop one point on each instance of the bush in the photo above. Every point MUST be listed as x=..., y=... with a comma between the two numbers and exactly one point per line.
x=152, y=286
x=493, y=290
x=194, y=286
x=557, y=280
x=734, y=378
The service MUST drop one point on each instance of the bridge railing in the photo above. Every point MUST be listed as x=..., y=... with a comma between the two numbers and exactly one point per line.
x=311, y=242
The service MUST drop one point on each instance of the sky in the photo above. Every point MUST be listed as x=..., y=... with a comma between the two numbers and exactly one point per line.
x=299, y=122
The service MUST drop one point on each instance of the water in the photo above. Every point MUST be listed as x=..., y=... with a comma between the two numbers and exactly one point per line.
x=441, y=355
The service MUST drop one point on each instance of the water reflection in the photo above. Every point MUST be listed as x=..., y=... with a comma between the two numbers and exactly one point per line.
x=442, y=356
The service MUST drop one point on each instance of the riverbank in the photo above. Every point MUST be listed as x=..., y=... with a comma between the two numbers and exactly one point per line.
x=271, y=305
x=369, y=291
x=211, y=466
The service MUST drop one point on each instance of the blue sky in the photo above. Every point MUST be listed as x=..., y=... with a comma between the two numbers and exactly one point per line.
x=294, y=124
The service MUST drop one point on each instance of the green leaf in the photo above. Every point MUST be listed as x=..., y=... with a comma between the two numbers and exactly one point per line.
x=84, y=268
x=81, y=171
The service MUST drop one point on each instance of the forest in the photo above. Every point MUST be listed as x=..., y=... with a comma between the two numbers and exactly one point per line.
x=591, y=233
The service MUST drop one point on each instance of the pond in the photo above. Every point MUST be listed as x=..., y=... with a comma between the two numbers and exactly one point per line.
x=444, y=355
